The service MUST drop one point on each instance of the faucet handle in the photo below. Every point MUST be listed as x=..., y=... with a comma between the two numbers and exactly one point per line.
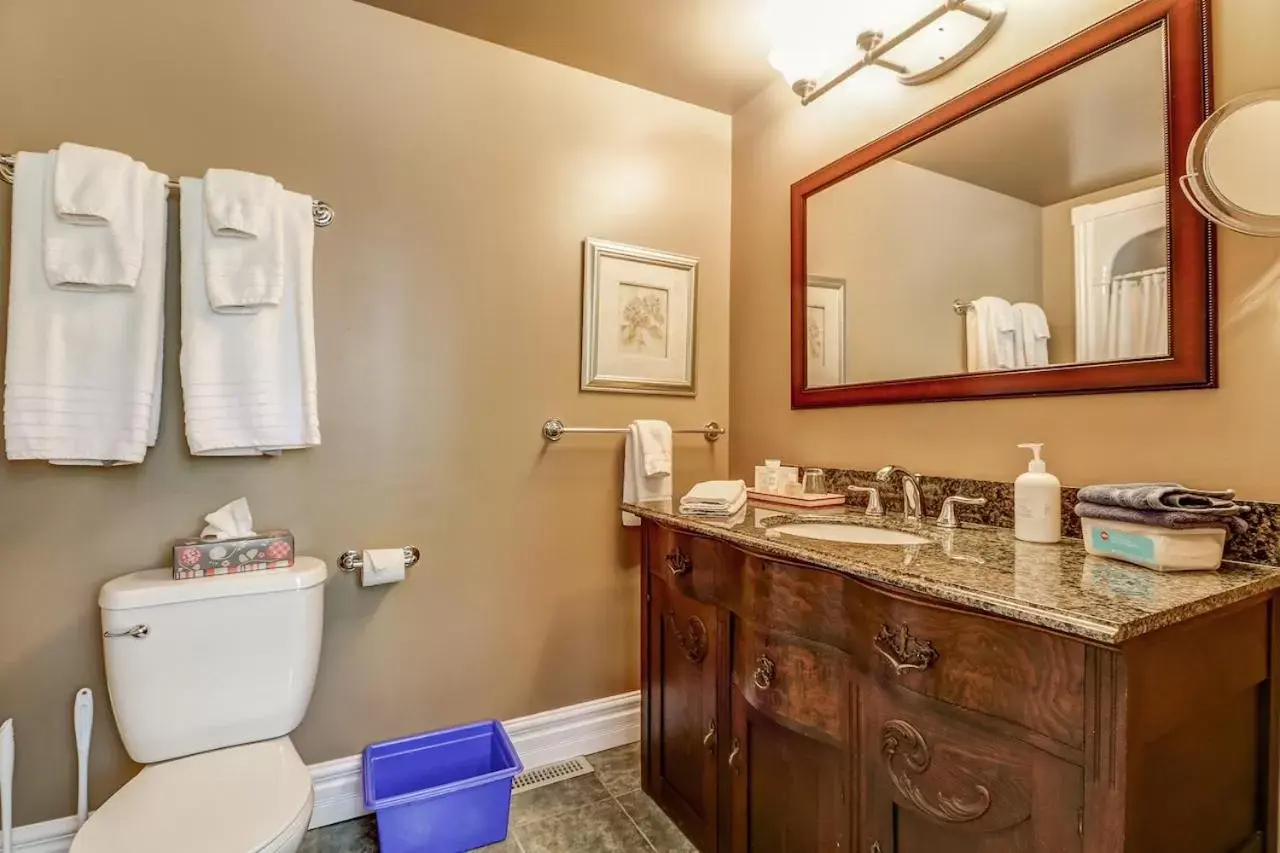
x=875, y=508
x=947, y=518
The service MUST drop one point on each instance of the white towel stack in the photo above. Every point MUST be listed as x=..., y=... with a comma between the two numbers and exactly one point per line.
x=82, y=375
x=715, y=498
x=249, y=378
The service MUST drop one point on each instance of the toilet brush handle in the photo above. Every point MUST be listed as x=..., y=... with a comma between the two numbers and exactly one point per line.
x=84, y=734
x=6, y=784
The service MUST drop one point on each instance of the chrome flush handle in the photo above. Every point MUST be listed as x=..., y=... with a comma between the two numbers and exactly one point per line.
x=138, y=632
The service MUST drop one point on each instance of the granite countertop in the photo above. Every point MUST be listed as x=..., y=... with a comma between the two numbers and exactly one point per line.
x=1059, y=587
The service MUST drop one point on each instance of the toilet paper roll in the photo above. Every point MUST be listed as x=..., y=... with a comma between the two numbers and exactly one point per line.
x=382, y=565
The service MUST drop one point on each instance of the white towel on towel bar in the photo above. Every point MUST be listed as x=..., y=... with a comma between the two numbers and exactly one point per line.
x=655, y=447
x=637, y=485
x=244, y=244
x=990, y=326
x=82, y=374
x=1032, y=334
x=249, y=380
x=93, y=222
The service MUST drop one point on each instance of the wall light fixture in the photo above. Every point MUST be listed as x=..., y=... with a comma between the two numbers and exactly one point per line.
x=940, y=41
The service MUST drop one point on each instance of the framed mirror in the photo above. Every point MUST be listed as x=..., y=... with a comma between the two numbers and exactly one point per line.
x=1022, y=239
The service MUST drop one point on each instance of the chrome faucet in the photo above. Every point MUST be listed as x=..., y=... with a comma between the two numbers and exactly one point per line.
x=912, y=505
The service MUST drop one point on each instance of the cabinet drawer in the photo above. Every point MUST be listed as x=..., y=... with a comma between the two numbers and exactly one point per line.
x=687, y=563
x=802, y=685
x=1018, y=674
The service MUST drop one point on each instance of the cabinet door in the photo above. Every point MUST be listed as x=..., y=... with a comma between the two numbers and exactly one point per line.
x=934, y=781
x=682, y=735
x=789, y=790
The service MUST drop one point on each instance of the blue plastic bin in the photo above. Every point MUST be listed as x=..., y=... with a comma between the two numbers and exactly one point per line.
x=442, y=792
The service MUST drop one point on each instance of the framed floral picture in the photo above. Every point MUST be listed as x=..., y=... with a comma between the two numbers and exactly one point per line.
x=637, y=319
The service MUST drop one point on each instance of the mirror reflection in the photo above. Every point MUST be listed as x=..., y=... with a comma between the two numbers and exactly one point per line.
x=1030, y=235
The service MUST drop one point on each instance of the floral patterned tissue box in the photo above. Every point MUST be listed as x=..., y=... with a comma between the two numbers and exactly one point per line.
x=203, y=558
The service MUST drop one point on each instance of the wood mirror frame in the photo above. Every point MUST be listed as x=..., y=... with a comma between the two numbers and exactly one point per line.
x=1192, y=284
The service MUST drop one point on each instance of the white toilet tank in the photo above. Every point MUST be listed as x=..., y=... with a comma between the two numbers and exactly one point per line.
x=210, y=662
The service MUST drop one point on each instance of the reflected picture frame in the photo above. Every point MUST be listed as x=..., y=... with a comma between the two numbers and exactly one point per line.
x=639, y=320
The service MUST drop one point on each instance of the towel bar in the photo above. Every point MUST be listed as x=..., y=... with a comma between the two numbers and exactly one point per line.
x=554, y=429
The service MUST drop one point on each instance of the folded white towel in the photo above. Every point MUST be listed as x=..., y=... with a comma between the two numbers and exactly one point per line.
x=714, y=509
x=244, y=245
x=249, y=380
x=82, y=374
x=1032, y=334
x=93, y=219
x=716, y=494
x=637, y=485
x=655, y=447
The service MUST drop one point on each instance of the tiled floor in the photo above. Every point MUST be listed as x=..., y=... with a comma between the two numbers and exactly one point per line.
x=603, y=812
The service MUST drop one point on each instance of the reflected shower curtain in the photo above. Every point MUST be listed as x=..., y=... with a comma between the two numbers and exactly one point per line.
x=1132, y=320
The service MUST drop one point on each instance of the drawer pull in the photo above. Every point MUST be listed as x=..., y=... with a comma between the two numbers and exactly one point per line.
x=765, y=672
x=692, y=640
x=901, y=740
x=709, y=739
x=733, y=755
x=679, y=563
x=875, y=847
x=904, y=651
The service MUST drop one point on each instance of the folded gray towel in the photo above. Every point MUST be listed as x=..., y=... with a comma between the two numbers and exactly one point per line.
x=1173, y=519
x=1161, y=496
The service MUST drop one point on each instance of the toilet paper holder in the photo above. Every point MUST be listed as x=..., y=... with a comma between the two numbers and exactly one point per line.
x=352, y=561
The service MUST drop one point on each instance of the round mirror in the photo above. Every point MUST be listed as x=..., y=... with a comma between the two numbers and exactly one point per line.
x=1233, y=171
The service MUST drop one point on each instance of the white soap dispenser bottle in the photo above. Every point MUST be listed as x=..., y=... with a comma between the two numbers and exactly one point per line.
x=1037, y=502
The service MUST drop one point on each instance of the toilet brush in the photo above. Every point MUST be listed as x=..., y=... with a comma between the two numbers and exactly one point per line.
x=6, y=784
x=84, y=732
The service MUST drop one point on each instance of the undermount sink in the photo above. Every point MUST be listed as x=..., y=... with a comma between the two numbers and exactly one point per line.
x=851, y=533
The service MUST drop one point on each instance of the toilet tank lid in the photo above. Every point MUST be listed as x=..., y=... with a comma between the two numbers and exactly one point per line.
x=153, y=587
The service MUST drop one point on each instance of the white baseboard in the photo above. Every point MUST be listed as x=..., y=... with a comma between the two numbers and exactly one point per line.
x=540, y=739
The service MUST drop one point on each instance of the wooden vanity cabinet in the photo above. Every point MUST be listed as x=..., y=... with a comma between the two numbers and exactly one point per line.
x=791, y=709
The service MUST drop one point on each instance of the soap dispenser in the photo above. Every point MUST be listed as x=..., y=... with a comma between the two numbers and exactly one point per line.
x=1037, y=501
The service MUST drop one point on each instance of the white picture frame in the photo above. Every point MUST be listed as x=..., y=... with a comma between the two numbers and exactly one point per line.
x=639, y=318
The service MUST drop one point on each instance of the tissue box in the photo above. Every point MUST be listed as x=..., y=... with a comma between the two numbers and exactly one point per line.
x=202, y=558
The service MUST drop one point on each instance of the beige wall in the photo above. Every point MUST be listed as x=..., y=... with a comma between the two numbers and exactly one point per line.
x=465, y=178
x=910, y=242
x=1206, y=438
x=1059, y=251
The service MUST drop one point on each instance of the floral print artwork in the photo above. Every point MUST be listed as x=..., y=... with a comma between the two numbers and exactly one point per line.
x=643, y=330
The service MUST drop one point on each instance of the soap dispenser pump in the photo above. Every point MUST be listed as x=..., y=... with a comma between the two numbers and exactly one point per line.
x=1037, y=499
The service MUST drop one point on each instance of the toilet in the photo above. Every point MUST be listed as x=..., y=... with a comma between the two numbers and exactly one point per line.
x=207, y=679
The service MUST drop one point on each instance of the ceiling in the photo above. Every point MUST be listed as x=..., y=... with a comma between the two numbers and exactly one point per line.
x=1096, y=126
x=707, y=52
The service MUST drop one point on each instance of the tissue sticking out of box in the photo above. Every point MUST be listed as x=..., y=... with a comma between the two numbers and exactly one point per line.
x=233, y=521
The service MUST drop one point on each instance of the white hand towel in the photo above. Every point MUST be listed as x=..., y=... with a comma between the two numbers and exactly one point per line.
x=655, y=447
x=249, y=380
x=715, y=494
x=82, y=374
x=996, y=327
x=244, y=245
x=1032, y=334
x=93, y=220
x=636, y=484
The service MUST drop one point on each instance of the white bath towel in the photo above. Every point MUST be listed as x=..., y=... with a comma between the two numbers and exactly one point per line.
x=249, y=380
x=990, y=328
x=82, y=374
x=244, y=244
x=93, y=219
x=732, y=510
x=655, y=447
x=637, y=485
x=1032, y=334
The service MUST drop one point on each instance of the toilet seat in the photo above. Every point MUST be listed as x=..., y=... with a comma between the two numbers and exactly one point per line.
x=255, y=798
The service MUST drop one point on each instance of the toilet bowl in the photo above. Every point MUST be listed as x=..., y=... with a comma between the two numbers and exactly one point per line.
x=207, y=678
x=242, y=799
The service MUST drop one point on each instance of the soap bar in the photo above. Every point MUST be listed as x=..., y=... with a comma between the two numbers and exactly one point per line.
x=1158, y=548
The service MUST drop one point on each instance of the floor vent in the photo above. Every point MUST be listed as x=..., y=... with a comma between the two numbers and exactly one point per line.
x=551, y=774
